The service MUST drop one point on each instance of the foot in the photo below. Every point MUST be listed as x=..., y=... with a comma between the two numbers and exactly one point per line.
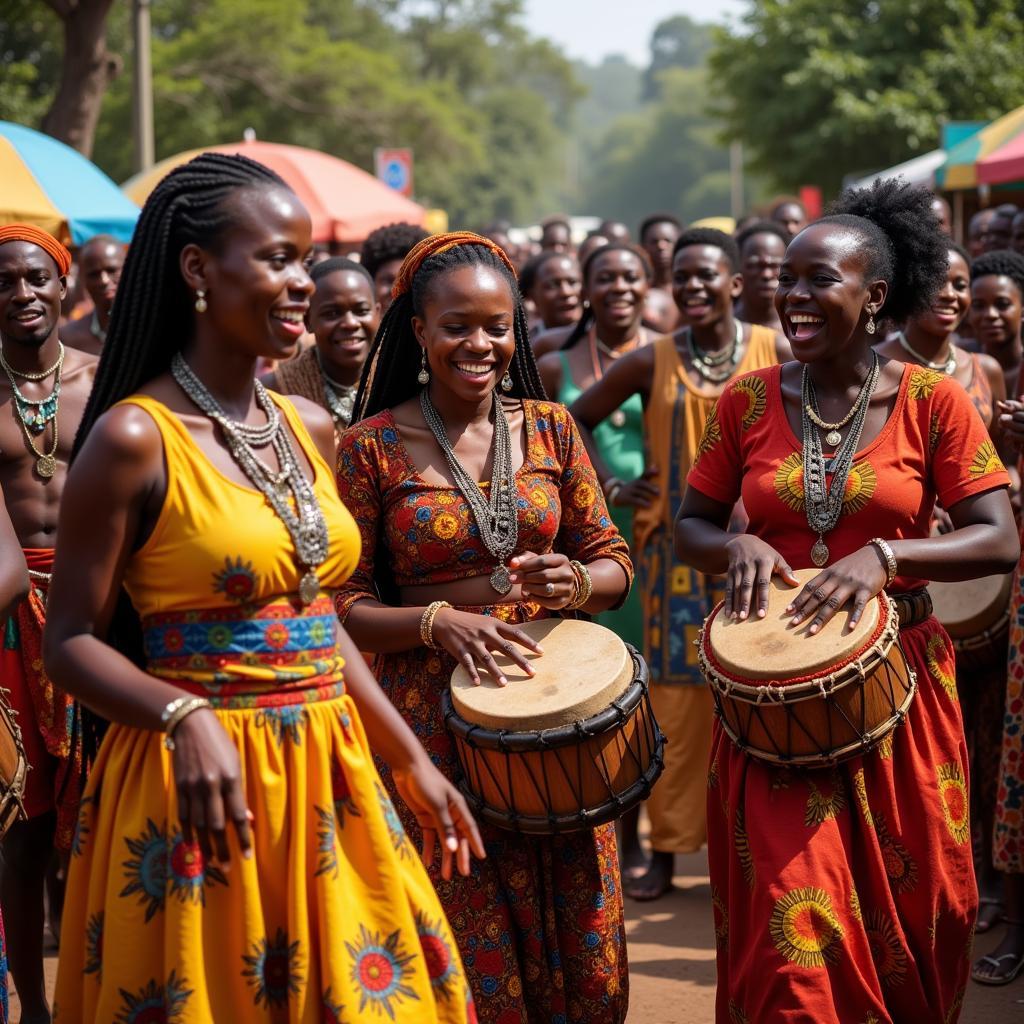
x=1006, y=961
x=990, y=913
x=655, y=881
x=634, y=862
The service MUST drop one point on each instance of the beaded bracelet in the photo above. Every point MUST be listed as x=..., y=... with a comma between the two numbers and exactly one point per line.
x=888, y=557
x=176, y=712
x=427, y=623
x=584, y=586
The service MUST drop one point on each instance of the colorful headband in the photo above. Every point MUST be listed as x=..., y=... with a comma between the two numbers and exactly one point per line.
x=434, y=245
x=36, y=236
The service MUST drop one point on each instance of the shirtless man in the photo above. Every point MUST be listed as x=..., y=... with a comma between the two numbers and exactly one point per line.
x=33, y=464
x=658, y=234
x=99, y=267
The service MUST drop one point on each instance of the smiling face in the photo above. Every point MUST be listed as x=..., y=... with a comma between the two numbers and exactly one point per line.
x=616, y=287
x=658, y=241
x=704, y=284
x=556, y=291
x=823, y=299
x=791, y=217
x=343, y=316
x=31, y=290
x=100, y=265
x=467, y=330
x=761, y=257
x=255, y=278
x=951, y=302
x=995, y=310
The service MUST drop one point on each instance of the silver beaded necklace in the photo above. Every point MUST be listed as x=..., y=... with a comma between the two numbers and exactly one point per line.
x=341, y=398
x=496, y=516
x=822, y=503
x=716, y=367
x=287, y=491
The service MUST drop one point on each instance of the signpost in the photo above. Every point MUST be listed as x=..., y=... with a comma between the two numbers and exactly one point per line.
x=394, y=168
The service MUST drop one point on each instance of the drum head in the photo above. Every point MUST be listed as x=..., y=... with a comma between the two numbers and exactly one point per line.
x=971, y=606
x=584, y=668
x=771, y=649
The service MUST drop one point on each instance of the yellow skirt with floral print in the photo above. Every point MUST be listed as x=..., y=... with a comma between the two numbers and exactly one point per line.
x=332, y=919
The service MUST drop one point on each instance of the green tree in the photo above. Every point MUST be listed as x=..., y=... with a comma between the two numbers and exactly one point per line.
x=815, y=94
x=678, y=42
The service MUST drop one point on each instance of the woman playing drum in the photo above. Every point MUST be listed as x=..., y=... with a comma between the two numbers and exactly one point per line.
x=847, y=893
x=454, y=399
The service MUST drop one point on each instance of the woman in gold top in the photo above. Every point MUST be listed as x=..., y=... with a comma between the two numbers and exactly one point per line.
x=236, y=855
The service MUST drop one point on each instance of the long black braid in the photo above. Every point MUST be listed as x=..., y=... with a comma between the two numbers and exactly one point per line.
x=389, y=374
x=586, y=321
x=151, y=320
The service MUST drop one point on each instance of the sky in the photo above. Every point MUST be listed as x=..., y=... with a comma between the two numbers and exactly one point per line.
x=592, y=29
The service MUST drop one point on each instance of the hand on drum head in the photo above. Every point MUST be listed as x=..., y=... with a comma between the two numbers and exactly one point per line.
x=858, y=577
x=752, y=564
x=469, y=638
x=546, y=579
x=440, y=810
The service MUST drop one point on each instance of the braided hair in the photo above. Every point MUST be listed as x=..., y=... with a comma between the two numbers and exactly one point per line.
x=389, y=374
x=586, y=321
x=152, y=317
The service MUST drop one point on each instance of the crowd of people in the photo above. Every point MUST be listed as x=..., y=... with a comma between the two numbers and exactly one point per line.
x=260, y=502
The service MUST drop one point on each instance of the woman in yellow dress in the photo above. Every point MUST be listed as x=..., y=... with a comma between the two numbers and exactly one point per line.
x=236, y=856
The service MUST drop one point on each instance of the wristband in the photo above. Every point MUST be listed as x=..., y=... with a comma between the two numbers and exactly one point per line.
x=888, y=558
x=176, y=712
x=584, y=586
x=427, y=623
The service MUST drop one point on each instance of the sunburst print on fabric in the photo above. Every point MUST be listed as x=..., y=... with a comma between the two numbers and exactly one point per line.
x=742, y=844
x=326, y=853
x=442, y=965
x=332, y=1010
x=872, y=1018
x=285, y=722
x=955, y=805
x=379, y=971
x=273, y=969
x=187, y=870
x=82, y=826
x=395, y=830
x=94, y=946
x=900, y=867
x=789, y=484
x=855, y=909
x=146, y=871
x=886, y=948
x=941, y=666
x=721, y=918
x=805, y=929
x=754, y=390
x=343, y=802
x=885, y=748
x=236, y=581
x=861, y=789
x=155, y=1002
x=821, y=806
x=711, y=436
x=986, y=460
x=923, y=382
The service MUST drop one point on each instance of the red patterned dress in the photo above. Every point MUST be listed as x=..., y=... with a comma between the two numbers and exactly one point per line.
x=847, y=894
x=539, y=923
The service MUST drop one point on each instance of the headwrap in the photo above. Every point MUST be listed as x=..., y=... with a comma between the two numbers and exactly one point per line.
x=434, y=245
x=36, y=236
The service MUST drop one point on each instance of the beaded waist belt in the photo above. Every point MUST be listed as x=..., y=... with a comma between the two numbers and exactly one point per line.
x=912, y=607
x=273, y=654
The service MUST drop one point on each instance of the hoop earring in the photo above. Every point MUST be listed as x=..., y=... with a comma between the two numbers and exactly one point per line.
x=870, y=325
x=506, y=382
x=200, y=300
x=424, y=375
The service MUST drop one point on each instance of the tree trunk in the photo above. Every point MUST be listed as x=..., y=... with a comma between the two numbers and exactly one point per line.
x=87, y=70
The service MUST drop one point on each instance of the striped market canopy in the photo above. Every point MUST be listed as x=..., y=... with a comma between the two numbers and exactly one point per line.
x=961, y=167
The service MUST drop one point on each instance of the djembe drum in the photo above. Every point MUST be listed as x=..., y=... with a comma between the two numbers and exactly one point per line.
x=13, y=767
x=976, y=614
x=793, y=698
x=570, y=748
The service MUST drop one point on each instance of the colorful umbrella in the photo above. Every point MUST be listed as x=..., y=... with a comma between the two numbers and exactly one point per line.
x=1006, y=164
x=53, y=186
x=961, y=167
x=345, y=203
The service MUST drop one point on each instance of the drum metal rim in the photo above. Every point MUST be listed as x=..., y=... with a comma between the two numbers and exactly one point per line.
x=995, y=632
x=480, y=736
x=855, y=670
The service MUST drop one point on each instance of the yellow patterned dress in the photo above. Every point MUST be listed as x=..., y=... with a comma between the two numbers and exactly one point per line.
x=333, y=919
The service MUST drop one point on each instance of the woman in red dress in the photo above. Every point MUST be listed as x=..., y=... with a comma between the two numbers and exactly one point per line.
x=539, y=923
x=847, y=894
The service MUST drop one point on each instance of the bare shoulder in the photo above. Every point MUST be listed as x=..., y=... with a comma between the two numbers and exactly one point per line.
x=125, y=435
x=317, y=421
x=78, y=364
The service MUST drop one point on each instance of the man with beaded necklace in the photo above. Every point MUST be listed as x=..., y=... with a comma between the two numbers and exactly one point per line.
x=43, y=391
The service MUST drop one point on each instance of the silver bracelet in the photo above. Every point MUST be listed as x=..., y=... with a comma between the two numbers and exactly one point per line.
x=176, y=712
x=888, y=557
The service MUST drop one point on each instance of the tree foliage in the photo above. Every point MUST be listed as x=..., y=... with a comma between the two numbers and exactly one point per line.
x=818, y=92
x=678, y=42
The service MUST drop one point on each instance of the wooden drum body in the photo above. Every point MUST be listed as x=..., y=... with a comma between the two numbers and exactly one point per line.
x=792, y=698
x=573, y=747
x=13, y=767
x=976, y=614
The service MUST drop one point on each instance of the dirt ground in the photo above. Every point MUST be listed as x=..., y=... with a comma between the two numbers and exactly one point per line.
x=672, y=960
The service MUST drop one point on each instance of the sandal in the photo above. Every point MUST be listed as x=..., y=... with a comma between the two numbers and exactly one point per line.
x=986, y=922
x=996, y=962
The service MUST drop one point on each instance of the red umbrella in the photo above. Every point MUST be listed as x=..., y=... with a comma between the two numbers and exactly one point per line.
x=345, y=202
x=1005, y=165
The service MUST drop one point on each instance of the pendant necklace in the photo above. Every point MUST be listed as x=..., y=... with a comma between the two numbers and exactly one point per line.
x=947, y=366
x=35, y=414
x=618, y=417
x=716, y=367
x=287, y=490
x=496, y=515
x=824, y=503
x=833, y=437
x=341, y=398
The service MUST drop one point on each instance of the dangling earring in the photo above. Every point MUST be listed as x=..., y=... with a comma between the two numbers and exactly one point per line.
x=424, y=375
x=506, y=382
x=200, y=300
x=870, y=325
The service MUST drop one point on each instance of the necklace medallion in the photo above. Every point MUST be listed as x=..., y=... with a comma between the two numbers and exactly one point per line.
x=309, y=587
x=819, y=553
x=832, y=438
x=618, y=418
x=501, y=580
x=46, y=466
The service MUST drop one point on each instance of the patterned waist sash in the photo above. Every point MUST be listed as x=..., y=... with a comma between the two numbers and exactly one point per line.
x=256, y=655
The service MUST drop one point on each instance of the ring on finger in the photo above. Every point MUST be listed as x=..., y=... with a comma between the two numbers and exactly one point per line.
x=549, y=589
